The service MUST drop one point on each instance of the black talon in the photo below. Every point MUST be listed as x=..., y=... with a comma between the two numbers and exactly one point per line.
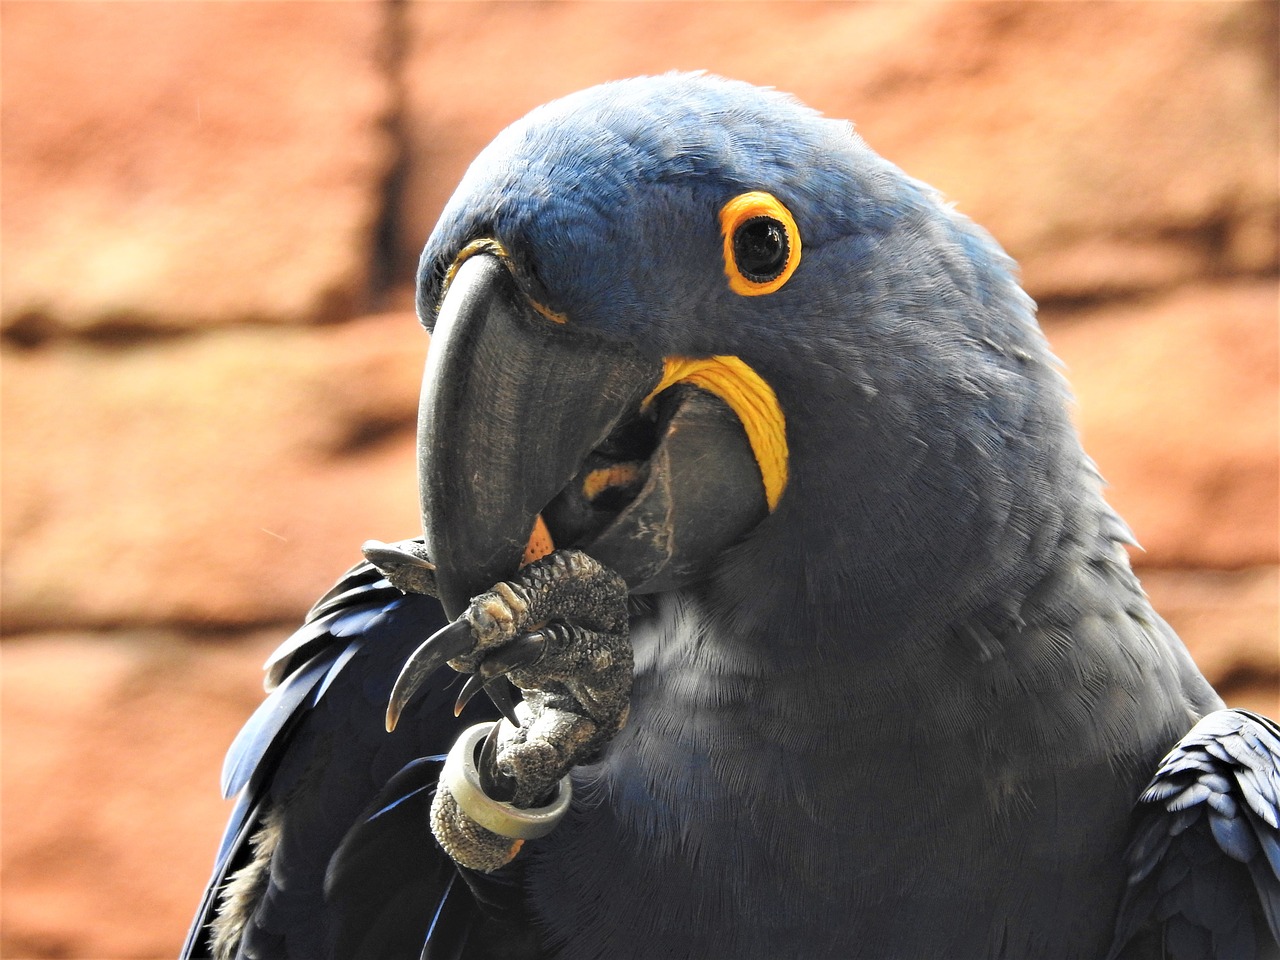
x=499, y=692
x=406, y=570
x=496, y=784
x=475, y=683
x=518, y=653
x=439, y=648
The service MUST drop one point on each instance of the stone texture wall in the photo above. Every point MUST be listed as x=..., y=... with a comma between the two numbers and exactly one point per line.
x=210, y=216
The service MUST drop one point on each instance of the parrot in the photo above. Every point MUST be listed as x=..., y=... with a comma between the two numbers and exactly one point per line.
x=752, y=501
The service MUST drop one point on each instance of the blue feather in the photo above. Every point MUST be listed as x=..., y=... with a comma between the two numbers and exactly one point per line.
x=265, y=725
x=1235, y=838
x=1270, y=844
x=1183, y=875
x=439, y=758
x=435, y=919
x=332, y=673
x=1189, y=796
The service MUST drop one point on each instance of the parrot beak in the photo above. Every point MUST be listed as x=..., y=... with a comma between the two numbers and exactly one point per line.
x=523, y=417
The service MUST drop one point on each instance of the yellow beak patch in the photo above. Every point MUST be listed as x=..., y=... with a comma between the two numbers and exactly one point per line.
x=748, y=396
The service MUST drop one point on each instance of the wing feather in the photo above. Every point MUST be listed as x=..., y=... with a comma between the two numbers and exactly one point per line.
x=343, y=796
x=1204, y=861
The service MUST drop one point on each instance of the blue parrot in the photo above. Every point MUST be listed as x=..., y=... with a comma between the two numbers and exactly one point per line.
x=742, y=456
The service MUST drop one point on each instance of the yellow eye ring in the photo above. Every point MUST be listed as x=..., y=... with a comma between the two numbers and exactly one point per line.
x=761, y=243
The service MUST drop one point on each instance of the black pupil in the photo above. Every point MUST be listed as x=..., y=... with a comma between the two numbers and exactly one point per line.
x=760, y=249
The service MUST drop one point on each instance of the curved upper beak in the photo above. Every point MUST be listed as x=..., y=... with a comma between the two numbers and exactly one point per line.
x=522, y=416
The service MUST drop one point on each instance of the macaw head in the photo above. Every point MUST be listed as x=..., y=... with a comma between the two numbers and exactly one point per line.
x=681, y=319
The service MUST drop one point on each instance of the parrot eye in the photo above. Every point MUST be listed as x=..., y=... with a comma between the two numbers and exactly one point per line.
x=761, y=243
x=760, y=249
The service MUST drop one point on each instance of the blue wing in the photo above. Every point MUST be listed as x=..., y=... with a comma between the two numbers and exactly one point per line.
x=1204, y=863
x=330, y=834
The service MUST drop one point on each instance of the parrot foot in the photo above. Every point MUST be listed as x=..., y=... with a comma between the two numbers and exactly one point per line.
x=404, y=564
x=559, y=631
x=475, y=829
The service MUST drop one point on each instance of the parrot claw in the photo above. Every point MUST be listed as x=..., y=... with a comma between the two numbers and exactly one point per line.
x=493, y=781
x=443, y=645
x=523, y=652
x=475, y=683
x=499, y=692
x=403, y=564
x=496, y=688
x=559, y=632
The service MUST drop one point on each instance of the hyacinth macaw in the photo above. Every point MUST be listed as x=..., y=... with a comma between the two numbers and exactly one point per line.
x=743, y=457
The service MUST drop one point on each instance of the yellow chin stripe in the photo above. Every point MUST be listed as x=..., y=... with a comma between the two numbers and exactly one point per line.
x=754, y=402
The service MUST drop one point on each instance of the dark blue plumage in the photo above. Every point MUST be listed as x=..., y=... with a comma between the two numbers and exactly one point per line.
x=1213, y=804
x=909, y=714
x=355, y=871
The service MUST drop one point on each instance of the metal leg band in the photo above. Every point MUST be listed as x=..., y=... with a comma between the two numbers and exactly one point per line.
x=462, y=778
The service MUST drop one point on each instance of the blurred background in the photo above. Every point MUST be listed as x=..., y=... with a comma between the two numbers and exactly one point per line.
x=210, y=217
